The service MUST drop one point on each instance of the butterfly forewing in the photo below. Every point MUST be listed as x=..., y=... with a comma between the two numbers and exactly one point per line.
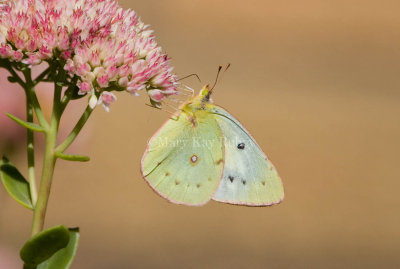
x=184, y=159
x=249, y=178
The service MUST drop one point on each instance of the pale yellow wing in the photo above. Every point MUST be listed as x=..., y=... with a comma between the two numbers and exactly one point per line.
x=184, y=162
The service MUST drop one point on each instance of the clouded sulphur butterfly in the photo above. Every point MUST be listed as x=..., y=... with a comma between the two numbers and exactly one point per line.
x=204, y=153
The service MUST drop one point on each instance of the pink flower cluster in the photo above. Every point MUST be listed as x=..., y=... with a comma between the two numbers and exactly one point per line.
x=106, y=47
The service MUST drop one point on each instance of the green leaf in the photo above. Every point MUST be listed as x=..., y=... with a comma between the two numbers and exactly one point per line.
x=63, y=258
x=43, y=245
x=15, y=183
x=74, y=158
x=30, y=125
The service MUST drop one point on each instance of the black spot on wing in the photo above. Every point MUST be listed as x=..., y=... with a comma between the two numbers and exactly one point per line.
x=241, y=146
x=231, y=178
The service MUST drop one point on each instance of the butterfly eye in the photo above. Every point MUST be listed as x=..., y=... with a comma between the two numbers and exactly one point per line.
x=240, y=146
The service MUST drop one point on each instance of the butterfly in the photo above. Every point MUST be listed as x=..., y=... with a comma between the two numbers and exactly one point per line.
x=204, y=153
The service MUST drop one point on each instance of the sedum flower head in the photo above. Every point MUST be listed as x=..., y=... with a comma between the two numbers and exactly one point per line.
x=101, y=46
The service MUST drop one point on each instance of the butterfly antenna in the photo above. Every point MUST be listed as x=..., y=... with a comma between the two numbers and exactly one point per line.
x=226, y=68
x=223, y=73
x=216, y=79
x=191, y=75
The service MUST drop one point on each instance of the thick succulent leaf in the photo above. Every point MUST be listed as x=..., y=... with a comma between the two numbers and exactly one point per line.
x=30, y=125
x=15, y=183
x=45, y=244
x=74, y=158
x=63, y=258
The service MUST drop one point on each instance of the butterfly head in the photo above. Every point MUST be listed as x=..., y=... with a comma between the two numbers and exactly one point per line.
x=205, y=93
x=200, y=101
x=205, y=96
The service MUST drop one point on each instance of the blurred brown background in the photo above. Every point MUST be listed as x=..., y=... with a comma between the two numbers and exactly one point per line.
x=316, y=82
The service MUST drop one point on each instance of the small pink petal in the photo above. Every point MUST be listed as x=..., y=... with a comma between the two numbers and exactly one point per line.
x=156, y=95
x=66, y=55
x=69, y=66
x=17, y=55
x=106, y=99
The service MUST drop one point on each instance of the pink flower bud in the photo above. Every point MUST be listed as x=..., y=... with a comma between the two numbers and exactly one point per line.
x=32, y=59
x=69, y=66
x=66, y=55
x=103, y=81
x=17, y=56
x=19, y=44
x=106, y=98
x=119, y=59
x=156, y=95
x=45, y=52
x=6, y=51
x=124, y=70
x=138, y=66
x=82, y=69
x=94, y=58
x=112, y=72
x=31, y=45
x=84, y=87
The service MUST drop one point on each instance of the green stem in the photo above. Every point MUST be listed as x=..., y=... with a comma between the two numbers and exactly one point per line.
x=31, y=153
x=47, y=175
x=68, y=94
x=74, y=133
x=30, y=91
x=49, y=163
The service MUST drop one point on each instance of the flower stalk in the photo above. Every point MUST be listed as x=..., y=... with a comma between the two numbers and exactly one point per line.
x=49, y=162
x=31, y=153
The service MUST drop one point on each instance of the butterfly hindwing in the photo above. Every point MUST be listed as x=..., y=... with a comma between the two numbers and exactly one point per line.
x=184, y=161
x=249, y=178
